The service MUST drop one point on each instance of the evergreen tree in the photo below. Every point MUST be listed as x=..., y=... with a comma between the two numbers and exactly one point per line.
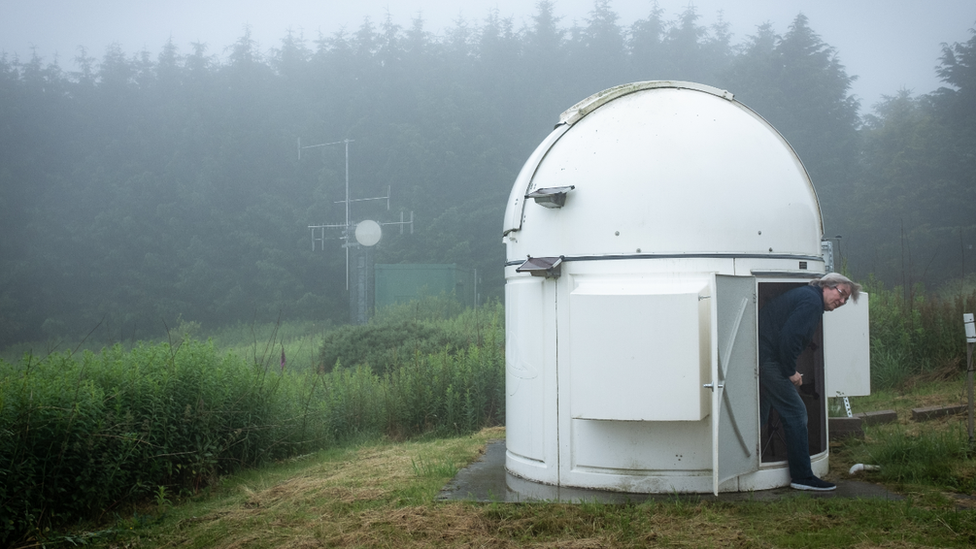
x=955, y=108
x=684, y=45
x=753, y=74
x=803, y=90
x=599, y=50
x=895, y=193
x=648, y=56
x=136, y=191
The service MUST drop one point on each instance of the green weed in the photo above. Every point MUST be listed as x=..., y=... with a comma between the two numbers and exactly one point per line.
x=424, y=466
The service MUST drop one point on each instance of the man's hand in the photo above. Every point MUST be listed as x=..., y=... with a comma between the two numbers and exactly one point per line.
x=797, y=378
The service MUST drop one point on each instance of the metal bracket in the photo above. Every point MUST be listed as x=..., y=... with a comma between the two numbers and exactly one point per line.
x=549, y=267
x=551, y=197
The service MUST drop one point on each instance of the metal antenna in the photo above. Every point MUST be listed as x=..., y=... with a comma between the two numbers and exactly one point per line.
x=344, y=226
x=348, y=229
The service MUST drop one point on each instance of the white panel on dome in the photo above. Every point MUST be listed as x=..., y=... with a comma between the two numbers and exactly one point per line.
x=637, y=350
x=525, y=311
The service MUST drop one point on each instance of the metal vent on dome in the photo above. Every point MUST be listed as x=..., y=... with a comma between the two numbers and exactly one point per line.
x=551, y=197
x=549, y=267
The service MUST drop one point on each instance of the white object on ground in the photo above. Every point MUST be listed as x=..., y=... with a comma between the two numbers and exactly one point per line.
x=862, y=467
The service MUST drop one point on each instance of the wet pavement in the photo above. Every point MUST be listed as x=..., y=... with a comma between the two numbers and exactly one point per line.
x=487, y=481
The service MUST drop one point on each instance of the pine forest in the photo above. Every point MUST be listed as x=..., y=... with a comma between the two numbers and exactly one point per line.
x=142, y=189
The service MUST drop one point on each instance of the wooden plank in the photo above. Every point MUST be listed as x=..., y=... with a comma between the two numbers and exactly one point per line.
x=878, y=417
x=845, y=427
x=934, y=412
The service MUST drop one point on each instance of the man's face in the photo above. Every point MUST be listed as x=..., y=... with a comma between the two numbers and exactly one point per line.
x=836, y=296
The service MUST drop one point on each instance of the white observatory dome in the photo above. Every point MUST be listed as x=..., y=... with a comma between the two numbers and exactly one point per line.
x=664, y=168
x=642, y=237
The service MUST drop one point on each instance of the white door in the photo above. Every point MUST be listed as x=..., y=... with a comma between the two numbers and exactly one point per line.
x=847, y=350
x=735, y=382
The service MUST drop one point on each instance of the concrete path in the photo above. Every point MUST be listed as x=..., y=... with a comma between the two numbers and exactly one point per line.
x=486, y=480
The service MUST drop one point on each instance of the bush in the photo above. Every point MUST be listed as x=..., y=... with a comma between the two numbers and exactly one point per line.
x=453, y=388
x=383, y=346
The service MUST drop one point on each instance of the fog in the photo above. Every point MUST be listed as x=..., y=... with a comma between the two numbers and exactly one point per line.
x=179, y=195
x=888, y=45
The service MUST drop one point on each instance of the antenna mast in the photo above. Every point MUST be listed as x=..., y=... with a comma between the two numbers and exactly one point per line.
x=350, y=231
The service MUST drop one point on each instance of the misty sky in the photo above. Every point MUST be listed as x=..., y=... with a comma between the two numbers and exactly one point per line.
x=888, y=44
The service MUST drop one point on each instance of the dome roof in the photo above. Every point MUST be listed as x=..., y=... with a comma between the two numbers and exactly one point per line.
x=663, y=168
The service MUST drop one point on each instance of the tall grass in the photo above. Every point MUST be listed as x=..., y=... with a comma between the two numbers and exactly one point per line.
x=264, y=342
x=457, y=388
x=916, y=335
x=928, y=457
x=82, y=434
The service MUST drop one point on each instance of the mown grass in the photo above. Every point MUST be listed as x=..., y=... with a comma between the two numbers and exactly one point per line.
x=914, y=393
x=380, y=494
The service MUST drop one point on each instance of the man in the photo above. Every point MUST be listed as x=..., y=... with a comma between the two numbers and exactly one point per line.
x=786, y=326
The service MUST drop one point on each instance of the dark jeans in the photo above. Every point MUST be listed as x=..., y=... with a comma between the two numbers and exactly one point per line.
x=779, y=393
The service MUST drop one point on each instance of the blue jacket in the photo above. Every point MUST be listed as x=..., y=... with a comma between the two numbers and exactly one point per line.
x=787, y=324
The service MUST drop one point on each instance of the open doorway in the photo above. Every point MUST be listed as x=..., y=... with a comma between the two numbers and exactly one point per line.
x=811, y=364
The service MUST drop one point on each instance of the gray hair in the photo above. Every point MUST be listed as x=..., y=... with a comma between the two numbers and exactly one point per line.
x=832, y=280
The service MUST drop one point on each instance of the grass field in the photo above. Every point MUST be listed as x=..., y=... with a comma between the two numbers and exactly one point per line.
x=382, y=494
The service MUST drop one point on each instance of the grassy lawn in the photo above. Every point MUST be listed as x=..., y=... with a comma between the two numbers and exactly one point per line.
x=381, y=494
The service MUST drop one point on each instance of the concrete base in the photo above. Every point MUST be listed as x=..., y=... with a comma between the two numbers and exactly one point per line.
x=770, y=475
x=486, y=480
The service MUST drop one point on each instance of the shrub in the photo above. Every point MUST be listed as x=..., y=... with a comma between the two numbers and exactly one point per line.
x=384, y=345
x=451, y=388
x=447, y=393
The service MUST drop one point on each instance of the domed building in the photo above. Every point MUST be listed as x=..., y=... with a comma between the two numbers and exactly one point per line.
x=642, y=236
